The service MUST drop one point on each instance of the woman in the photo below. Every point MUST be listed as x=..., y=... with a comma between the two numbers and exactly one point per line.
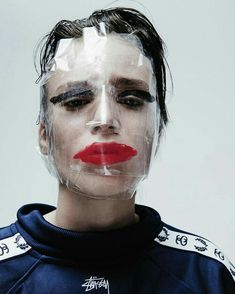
x=102, y=114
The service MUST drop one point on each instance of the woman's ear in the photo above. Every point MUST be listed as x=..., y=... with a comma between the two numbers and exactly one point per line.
x=43, y=139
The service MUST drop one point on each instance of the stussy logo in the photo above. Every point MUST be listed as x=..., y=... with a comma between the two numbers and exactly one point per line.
x=94, y=283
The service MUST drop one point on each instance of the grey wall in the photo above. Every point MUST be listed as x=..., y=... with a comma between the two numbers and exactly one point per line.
x=192, y=181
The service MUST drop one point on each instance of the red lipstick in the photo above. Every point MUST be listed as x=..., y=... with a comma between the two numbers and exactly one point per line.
x=105, y=153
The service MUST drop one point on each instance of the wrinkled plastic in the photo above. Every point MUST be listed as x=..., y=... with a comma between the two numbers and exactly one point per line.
x=101, y=119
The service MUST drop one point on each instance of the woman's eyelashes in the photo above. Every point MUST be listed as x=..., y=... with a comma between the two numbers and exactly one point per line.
x=134, y=99
x=131, y=102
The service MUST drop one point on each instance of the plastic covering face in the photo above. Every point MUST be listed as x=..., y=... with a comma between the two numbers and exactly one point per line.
x=101, y=117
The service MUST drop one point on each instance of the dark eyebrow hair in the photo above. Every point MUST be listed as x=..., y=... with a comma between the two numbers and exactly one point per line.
x=114, y=81
x=120, y=81
x=72, y=85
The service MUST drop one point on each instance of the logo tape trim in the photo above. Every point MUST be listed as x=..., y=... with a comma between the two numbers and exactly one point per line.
x=184, y=241
x=13, y=246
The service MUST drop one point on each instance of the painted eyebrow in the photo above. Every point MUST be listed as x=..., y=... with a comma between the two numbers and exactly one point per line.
x=134, y=87
x=74, y=89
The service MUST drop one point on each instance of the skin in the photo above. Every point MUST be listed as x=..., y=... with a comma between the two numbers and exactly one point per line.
x=89, y=208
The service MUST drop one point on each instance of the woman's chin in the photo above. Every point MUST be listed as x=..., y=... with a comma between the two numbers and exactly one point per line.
x=103, y=186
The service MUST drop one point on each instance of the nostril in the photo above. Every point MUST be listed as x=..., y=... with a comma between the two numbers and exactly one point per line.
x=104, y=129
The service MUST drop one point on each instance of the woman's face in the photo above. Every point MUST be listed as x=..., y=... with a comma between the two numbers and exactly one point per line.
x=102, y=115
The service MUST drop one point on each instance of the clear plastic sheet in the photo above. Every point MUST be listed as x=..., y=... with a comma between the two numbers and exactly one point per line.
x=102, y=117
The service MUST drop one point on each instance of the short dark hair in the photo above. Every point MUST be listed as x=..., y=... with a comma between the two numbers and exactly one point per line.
x=118, y=20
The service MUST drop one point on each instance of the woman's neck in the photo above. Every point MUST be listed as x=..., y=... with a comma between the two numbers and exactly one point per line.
x=78, y=212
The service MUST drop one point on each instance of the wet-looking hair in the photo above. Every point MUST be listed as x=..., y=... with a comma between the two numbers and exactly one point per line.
x=119, y=20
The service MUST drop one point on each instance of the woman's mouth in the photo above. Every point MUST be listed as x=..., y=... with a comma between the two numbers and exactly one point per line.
x=105, y=153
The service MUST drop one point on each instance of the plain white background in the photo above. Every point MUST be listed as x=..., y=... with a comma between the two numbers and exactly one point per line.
x=192, y=181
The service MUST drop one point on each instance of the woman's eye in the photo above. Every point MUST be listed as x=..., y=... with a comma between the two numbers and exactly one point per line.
x=131, y=102
x=77, y=101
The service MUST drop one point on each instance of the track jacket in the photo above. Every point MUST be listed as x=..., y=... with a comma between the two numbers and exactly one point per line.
x=148, y=257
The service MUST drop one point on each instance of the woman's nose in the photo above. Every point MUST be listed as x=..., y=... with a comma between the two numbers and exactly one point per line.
x=106, y=117
x=104, y=129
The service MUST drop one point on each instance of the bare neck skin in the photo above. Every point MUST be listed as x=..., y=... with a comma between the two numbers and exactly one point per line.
x=80, y=213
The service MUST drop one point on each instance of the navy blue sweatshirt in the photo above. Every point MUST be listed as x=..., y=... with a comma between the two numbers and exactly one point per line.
x=148, y=257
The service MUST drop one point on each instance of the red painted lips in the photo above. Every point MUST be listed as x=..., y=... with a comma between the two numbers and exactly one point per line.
x=106, y=153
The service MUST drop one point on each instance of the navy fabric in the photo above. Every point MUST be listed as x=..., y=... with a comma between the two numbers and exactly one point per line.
x=126, y=260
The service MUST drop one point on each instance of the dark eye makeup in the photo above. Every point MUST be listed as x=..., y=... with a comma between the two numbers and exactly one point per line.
x=141, y=94
x=134, y=99
x=75, y=99
x=78, y=93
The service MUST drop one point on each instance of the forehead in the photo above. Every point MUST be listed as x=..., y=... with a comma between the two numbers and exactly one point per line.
x=98, y=60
